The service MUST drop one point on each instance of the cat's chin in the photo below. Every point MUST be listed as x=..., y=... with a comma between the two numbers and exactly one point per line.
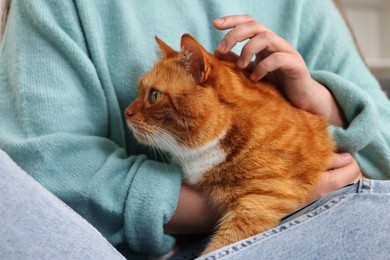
x=141, y=139
x=144, y=139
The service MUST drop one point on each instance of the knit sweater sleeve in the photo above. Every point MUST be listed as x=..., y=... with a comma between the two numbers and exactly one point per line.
x=64, y=127
x=335, y=62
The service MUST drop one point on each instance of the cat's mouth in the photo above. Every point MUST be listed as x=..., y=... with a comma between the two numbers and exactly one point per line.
x=142, y=135
x=159, y=140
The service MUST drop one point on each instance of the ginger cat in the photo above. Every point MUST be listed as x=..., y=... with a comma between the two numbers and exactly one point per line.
x=253, y=154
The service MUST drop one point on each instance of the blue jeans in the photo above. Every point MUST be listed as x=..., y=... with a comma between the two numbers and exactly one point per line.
x=351, y=223
x=34, y=224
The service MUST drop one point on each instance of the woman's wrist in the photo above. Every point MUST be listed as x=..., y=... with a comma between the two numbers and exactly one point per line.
x=324, y=104
x=193, y=214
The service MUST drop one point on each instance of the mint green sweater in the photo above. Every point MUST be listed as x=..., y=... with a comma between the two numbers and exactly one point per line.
x=68, y=69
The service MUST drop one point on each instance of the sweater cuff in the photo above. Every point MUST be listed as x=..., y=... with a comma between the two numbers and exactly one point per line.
x=152, y=200
x=359, y=109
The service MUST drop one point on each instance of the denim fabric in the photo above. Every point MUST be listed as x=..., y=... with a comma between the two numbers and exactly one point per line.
x=34, y=224
x=351, y=223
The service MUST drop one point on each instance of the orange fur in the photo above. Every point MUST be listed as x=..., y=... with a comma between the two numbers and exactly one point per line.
x=270, y=154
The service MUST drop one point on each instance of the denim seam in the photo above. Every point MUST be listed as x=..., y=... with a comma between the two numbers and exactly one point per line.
x=224, y=252
x=365, y=186
x=186, y=256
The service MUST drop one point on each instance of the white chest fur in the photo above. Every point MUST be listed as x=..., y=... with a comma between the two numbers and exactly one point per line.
x=194, y=161
x=200, y=160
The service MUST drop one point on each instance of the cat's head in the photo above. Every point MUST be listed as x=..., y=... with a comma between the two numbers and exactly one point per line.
x=179, y=104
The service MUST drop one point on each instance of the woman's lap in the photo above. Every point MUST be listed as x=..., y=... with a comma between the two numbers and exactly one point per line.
x=34, y=224
x=350, y=223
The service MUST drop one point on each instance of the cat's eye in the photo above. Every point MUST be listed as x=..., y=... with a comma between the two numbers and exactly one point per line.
x=154, y=96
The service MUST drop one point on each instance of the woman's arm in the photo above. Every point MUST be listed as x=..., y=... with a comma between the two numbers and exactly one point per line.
x=61, y=122
x=335, y=62
x=359, y=125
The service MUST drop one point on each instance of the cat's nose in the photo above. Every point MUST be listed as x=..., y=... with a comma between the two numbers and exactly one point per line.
x=129, y=112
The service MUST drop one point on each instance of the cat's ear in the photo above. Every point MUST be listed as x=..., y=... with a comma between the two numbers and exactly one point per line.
x=194, y=58
x=166, y=51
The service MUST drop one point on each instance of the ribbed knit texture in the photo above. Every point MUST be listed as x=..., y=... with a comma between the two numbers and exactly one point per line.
x=68, y=69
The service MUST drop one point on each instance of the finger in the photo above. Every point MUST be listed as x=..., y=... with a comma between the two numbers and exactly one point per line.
x=229, y=56
x=240, y=33
x=343, y=176
x=335, y=179
x=339, y=160
x=231, y=21
x=344, y=173
x=232, y=57
x=253, y=47
x=286, y=62
x=263, y=41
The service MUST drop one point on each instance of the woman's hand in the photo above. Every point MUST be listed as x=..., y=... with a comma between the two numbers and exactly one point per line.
x=343, y=170
x=279, y=61
x=193, y=214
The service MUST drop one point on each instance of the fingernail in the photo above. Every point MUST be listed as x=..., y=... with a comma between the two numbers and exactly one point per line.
x=222, y=46
x=346, y=156
x=240, y=63
x=219, y=21
x=255, y=76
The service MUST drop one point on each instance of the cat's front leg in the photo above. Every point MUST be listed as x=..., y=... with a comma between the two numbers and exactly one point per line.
x=234, y=228
x=254, y=215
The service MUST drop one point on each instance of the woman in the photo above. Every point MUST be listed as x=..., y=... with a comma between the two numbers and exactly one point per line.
x=69, y=69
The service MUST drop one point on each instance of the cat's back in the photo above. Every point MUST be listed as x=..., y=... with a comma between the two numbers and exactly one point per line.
x=269, y=130
x=263, y=101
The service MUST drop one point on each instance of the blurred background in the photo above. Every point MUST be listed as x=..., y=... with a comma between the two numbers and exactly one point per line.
x=370, y=22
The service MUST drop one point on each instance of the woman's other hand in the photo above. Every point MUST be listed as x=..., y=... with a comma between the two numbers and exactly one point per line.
x=343, y=170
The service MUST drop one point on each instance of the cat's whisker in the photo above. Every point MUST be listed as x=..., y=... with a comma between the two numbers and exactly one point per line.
x=173, y=147
x=177, y=139
x=162, y=153
x=151, y=147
